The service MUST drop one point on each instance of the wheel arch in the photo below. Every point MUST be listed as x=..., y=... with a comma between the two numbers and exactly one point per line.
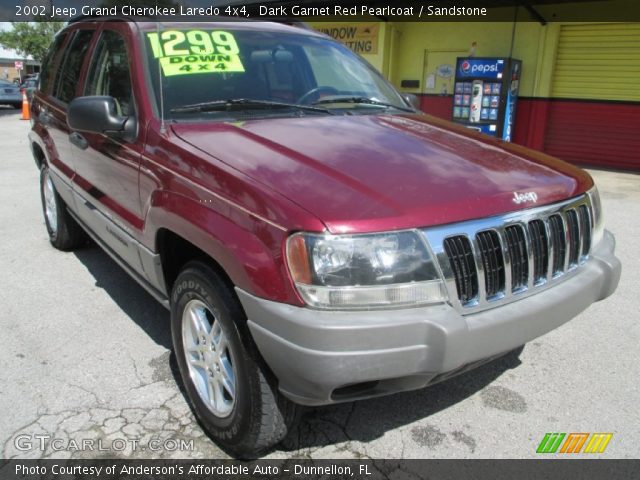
x=176, y=251
x=248, y=252
x=38, y=154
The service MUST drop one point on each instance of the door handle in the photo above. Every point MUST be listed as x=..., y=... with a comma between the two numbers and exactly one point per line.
x=78, y=140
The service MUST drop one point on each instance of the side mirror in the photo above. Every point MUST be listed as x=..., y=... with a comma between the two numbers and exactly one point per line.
x=99, y=114
x=411, y=100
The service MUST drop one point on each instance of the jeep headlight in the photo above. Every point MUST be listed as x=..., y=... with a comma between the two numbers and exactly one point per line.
x=364, y=271
x=598, y=222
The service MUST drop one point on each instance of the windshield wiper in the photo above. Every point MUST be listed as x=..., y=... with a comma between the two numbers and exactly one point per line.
x=235, y=104
x=361, y=100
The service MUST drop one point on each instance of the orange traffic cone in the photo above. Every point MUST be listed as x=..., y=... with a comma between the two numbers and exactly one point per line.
x=25, y=107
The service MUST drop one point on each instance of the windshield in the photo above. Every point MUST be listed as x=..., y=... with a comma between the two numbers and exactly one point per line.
x=215, y=72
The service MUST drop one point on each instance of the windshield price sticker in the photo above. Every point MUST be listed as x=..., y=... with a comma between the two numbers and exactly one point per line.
x=191, y=64
x=195, y=51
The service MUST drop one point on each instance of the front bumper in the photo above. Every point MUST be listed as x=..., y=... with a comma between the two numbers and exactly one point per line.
x=323, y=357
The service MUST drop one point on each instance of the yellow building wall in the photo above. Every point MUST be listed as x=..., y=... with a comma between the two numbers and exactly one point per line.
x=418, y=48
x=414, y=50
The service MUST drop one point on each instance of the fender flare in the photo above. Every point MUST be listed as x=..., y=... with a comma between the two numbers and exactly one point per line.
x=248, y=250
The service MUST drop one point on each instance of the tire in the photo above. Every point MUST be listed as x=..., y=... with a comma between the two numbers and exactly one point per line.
x=230, y=388
x=17, y=106
x=64, y=232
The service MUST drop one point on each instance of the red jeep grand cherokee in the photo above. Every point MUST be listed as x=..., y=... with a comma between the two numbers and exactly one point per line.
x=316, y=239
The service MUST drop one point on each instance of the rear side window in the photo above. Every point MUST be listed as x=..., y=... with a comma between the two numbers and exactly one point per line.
x=109, y=73
x=47, y=72
x=70, y=71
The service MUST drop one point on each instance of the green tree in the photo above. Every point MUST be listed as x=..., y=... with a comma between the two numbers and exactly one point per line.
x=30, y=38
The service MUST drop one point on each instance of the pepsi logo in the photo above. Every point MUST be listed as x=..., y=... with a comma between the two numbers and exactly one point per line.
x=465, y=67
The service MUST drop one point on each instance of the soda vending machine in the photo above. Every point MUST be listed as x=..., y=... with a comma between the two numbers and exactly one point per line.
x=485, y=94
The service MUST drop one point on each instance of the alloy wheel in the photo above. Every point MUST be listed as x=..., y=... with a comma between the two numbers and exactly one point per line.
x=50, y=204
x=209, y=358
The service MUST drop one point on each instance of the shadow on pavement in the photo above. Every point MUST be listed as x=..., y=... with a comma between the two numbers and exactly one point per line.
x=141, y=307
x=363, y=421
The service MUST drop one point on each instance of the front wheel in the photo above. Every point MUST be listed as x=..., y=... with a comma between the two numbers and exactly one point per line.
x=230, y=389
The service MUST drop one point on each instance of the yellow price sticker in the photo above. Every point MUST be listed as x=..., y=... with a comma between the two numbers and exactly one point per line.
x=195, y=51
x=191, y=64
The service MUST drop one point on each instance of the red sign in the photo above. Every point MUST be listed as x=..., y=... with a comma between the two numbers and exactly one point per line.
x=19, y=65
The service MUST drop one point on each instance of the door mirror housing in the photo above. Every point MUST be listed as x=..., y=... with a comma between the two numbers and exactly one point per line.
x=99, y=114
x=411, y=100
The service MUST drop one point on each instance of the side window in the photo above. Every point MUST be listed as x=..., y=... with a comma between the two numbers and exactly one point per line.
x=72, y=64
x=109, y=73
x=47, y=72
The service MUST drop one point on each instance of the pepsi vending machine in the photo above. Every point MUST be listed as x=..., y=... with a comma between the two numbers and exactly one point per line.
x=485, y=94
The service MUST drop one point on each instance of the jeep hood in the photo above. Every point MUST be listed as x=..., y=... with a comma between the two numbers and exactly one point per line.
x=363, y=173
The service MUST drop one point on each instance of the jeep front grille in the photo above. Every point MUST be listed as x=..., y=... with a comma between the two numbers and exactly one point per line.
x=492, y=262
x=517, y=248
x=500, y=259
x=460, y=255
x=540, y=250
x=558, y=243
x=574, y=236
x=585, y=220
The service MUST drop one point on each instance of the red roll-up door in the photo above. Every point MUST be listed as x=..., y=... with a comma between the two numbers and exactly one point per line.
x=594, y=114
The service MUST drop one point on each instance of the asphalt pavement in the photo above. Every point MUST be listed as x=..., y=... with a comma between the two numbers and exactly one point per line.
x=86, y=357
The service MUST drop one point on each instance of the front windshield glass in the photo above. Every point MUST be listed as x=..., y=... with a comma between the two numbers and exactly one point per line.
x=231, y=72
